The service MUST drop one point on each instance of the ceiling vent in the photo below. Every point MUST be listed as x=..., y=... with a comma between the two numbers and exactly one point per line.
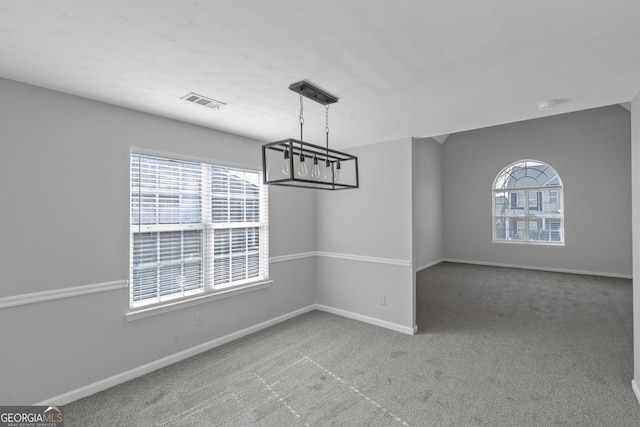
x=203, y=100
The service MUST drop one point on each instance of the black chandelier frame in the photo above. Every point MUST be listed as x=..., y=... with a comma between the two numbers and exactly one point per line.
x=289, y=150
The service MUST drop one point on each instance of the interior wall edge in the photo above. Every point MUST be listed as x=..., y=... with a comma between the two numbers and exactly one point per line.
x=636, y=389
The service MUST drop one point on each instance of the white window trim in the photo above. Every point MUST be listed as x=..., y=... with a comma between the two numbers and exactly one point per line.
x=210, y=293
x=525, y=217
x=166, y=307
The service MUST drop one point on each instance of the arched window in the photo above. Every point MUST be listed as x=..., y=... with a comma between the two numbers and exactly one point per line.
x=528, y=204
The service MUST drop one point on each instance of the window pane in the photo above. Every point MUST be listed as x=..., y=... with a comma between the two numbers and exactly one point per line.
x=235, y=196
x=166, y=263
x=144, y=284
x=222, y=270
x=500, y=228
x=164, y=191
x=222, y=242
x=236, y=210
x=220, y=209
x=554, y=227
x=252, y=210
x=535, y=200
x=237, y=254
x=239, y=240
x=238, y=268
x=534, y=229
x=509, y=228
x=527, y=174
x=509, y=204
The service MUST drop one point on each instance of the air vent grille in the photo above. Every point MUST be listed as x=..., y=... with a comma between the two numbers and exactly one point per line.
x=203, y=100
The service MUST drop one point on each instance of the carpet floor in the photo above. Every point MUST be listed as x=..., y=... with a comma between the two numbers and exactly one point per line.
x=496, y=347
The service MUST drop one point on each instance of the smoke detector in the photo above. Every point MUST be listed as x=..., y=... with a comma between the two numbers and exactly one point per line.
x=547, y=104
x=203, y=100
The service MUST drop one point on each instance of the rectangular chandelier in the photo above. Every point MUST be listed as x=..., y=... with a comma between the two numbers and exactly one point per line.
x=296, y=163
x=326, y=169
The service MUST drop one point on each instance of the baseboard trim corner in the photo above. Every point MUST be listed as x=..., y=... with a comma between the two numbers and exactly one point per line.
x=431, y=264
x=122, y=377
x=636, y=389
x=367, y=319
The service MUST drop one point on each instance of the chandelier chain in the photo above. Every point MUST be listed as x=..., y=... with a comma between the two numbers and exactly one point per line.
x=301, y=122
x=301, y=110
x=326, y=128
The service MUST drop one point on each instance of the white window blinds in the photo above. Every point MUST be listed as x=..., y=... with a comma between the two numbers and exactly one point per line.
x=195, y=228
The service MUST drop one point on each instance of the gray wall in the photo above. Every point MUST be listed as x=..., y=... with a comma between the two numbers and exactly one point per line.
x=591, y=152
x=427, y=202
x=373, y=222
x=64, y=172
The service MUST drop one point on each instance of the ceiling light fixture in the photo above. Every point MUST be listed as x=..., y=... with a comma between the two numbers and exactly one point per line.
x=285, y=162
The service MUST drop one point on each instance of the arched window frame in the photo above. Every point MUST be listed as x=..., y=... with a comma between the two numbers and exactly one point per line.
x=528, y=204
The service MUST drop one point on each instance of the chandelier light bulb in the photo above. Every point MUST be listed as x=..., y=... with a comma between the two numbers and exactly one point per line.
x=328, y=173
x=302, y=167
x=315, y=169
x=338, y=172
x=286, y=164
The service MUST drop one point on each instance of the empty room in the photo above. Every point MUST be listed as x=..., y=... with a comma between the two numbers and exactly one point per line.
x=288, y=213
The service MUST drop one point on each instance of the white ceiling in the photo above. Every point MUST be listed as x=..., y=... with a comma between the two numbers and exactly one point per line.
x=400, y=68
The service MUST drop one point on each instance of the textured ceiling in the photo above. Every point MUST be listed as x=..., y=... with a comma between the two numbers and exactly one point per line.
x=402, y=68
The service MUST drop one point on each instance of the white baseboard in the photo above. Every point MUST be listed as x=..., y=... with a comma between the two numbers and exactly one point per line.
x=636, y=389
x=106, y=383
x=431, y=264
x=114, y=380
x=367, y=319
x=529, y=267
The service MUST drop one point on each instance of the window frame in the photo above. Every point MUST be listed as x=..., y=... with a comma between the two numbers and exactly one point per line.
x=528, y=214
x=207, y=226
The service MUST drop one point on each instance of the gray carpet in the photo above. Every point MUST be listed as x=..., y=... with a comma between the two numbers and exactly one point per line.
x=496, y=347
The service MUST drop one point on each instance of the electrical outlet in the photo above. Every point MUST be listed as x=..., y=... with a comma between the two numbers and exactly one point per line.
x=382, y=299
x=197, y=319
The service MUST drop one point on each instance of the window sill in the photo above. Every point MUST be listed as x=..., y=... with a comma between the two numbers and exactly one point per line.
x=143, y=312
x=528, y=243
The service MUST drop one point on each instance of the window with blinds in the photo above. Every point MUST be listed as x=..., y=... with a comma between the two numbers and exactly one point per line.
x=195, y=228
x=528, y=204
